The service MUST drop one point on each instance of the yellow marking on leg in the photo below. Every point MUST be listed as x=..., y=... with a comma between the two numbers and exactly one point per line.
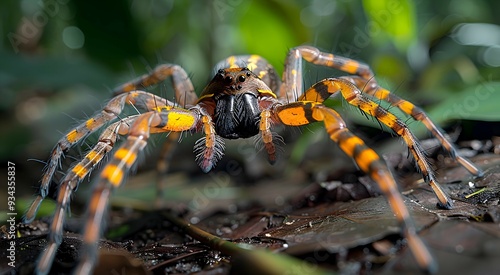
x=208, y=127
x=406, y=106
x=350, y=67
x=80, y=170
x=179, y=121
x=365, y=158
x=90, y=123
x=94, y=156
x=293, y=116
x=349, y=144
x=382, y=94
x=113, y=174
x=232, y=62
x=72, y=136
x=126, y=155
x=252, y=62
x=262, y=74
x=329, y=60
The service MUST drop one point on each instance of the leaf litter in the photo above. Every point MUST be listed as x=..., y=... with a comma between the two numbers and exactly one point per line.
x=321, y=225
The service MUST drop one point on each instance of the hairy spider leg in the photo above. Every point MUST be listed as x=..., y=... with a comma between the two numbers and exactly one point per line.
x=140, y=99
x=365, y=79
x=114, y=173
x=70, y=184
x=183, y=87
x=372, y=88
x=210, y=148
x=355, y=97
x=292, y=86
x=305, y=112
x=185, y=96
x=315, y=56
x=267, y=136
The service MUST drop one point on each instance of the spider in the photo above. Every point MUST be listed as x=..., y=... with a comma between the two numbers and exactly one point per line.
x=245, y=98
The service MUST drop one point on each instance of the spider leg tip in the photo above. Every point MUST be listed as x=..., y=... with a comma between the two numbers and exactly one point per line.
x=27, y=219
x=432, y=268
x=447, y=206
x=479, y=173
x=206, y=168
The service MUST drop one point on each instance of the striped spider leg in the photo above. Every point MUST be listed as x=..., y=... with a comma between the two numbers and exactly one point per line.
x=125, y=94
x=363, y=78
x=245, y=98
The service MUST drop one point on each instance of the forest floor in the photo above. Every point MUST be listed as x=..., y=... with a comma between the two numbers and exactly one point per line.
x=334, y=226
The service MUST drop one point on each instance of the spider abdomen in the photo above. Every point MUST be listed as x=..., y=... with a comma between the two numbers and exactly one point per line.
x=237, y=116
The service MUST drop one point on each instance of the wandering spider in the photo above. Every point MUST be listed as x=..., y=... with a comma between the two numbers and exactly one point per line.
x=244, y=99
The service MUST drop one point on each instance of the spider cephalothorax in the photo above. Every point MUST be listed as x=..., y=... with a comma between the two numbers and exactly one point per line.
x=244, y=99
x=235, y=94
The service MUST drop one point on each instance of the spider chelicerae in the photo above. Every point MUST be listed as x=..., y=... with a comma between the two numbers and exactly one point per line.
x=245, y=98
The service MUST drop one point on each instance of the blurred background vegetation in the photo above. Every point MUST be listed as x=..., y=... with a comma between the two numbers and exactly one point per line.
x=60, y=58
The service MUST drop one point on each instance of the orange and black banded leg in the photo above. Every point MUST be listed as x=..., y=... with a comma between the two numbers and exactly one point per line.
x=114, y=173
x=111, y=177
x=355, y=97
x=271, y=141
x=365, y=81
x=183, y=87
x=71, y=182
x=209, y=149
x=292, y=87
x=110, y=112
x=305, y=112
x=185, y=96
x=267, y=136
x=372, y=88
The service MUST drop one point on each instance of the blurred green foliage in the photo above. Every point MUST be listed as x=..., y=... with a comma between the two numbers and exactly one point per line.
x=63, y=56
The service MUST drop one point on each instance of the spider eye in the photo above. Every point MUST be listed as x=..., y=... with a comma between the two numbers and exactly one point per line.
x=228, y=79
x=220, y=71
x=241, y=78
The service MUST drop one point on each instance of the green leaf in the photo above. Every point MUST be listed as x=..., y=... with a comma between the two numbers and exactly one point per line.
x=480, y=102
